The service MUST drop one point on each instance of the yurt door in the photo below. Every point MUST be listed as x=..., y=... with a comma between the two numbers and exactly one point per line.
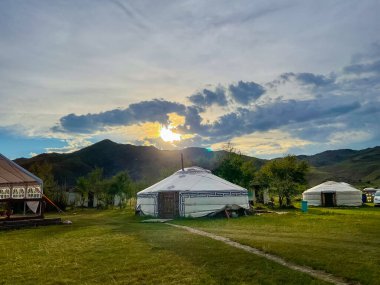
x=90, y=203
x=168, y=205
x=329, y=199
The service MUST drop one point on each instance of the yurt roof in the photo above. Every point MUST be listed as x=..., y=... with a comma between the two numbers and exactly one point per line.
x=332, y=186
x=12, y=173
x=192, y=179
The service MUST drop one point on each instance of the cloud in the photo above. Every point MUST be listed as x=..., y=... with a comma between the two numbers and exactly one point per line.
x=193, y=121
x=72, y=145
x=305, y=117
x=351, y=136
x=207, y=97
x=307, y=78
x=156, y=110
x=245, y=92
x=372, y=67
x=274, y=142
x=273, y=116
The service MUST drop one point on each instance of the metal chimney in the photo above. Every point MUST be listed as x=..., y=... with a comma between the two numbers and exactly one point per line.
x=182, y=162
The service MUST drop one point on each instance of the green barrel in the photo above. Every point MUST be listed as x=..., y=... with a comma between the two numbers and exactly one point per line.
x=304, y=206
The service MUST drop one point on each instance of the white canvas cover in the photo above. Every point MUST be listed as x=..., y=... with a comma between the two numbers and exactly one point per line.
x=33, y=206
x=200, y=193
x=346, y=195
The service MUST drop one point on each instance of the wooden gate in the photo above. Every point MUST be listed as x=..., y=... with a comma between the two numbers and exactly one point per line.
x=168, y=205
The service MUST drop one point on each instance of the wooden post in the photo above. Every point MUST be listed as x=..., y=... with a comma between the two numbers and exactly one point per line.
x=9, y=210
x=42, y=208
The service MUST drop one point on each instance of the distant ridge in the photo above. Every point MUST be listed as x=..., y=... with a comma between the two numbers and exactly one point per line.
x=358, y=167
x=141, y=162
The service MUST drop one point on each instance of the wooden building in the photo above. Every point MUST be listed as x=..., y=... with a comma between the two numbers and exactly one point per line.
x=19, y=190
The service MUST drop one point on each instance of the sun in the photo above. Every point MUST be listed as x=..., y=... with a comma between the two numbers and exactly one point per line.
x=168, y=136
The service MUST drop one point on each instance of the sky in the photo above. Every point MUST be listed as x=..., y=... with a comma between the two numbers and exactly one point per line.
x=270, y=77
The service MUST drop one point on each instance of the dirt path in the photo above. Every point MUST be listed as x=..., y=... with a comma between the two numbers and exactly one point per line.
x=312, y=272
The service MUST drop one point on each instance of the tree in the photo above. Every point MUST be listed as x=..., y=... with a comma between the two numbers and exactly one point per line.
x=105, y=190
x=285, y=177
x=235, y=168
x=97, y=185
x=120, y=185
x=44, y=171
x=82, y=187
x=261, y=183
x=92, y=184
x=51, y=189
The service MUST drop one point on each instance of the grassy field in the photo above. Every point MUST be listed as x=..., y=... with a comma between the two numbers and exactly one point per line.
x=344, y=242
x=113, y=247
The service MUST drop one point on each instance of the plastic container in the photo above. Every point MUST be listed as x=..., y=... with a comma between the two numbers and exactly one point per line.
x=304, y=206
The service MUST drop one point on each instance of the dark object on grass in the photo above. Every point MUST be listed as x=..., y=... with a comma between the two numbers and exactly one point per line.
x=22, y=223
x=271, y=204
x=231, y=211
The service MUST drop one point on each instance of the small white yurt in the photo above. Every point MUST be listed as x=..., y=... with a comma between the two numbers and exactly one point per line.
x=191, y=192
x=330, y=194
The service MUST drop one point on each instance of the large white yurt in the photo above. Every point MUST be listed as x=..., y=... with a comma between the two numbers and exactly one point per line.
x=331, y=193
x=191, y=192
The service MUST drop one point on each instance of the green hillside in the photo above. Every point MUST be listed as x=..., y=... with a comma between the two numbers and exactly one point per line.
x=358, y=167
x=142, y=162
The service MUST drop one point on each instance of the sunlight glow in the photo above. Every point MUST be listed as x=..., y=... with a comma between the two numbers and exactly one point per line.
x=168, y=136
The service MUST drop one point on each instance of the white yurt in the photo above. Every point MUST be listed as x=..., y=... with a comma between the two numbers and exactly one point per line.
x=191, y=192
x=331, y=193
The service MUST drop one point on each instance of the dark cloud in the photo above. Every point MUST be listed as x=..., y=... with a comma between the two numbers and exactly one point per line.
x=79, y=124
x=145, y=111
x=155, y=110
x=362, y=120
x=274, y=116
x=246, y=92
x=193, y=121
x=372, y=67
x=308, y=78
x=207, y=97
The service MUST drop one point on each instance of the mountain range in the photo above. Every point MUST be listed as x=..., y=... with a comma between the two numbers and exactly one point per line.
x=358, y=167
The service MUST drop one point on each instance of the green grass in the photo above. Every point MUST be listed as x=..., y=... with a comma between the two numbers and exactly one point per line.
x=344, y=242
x=113, y=247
